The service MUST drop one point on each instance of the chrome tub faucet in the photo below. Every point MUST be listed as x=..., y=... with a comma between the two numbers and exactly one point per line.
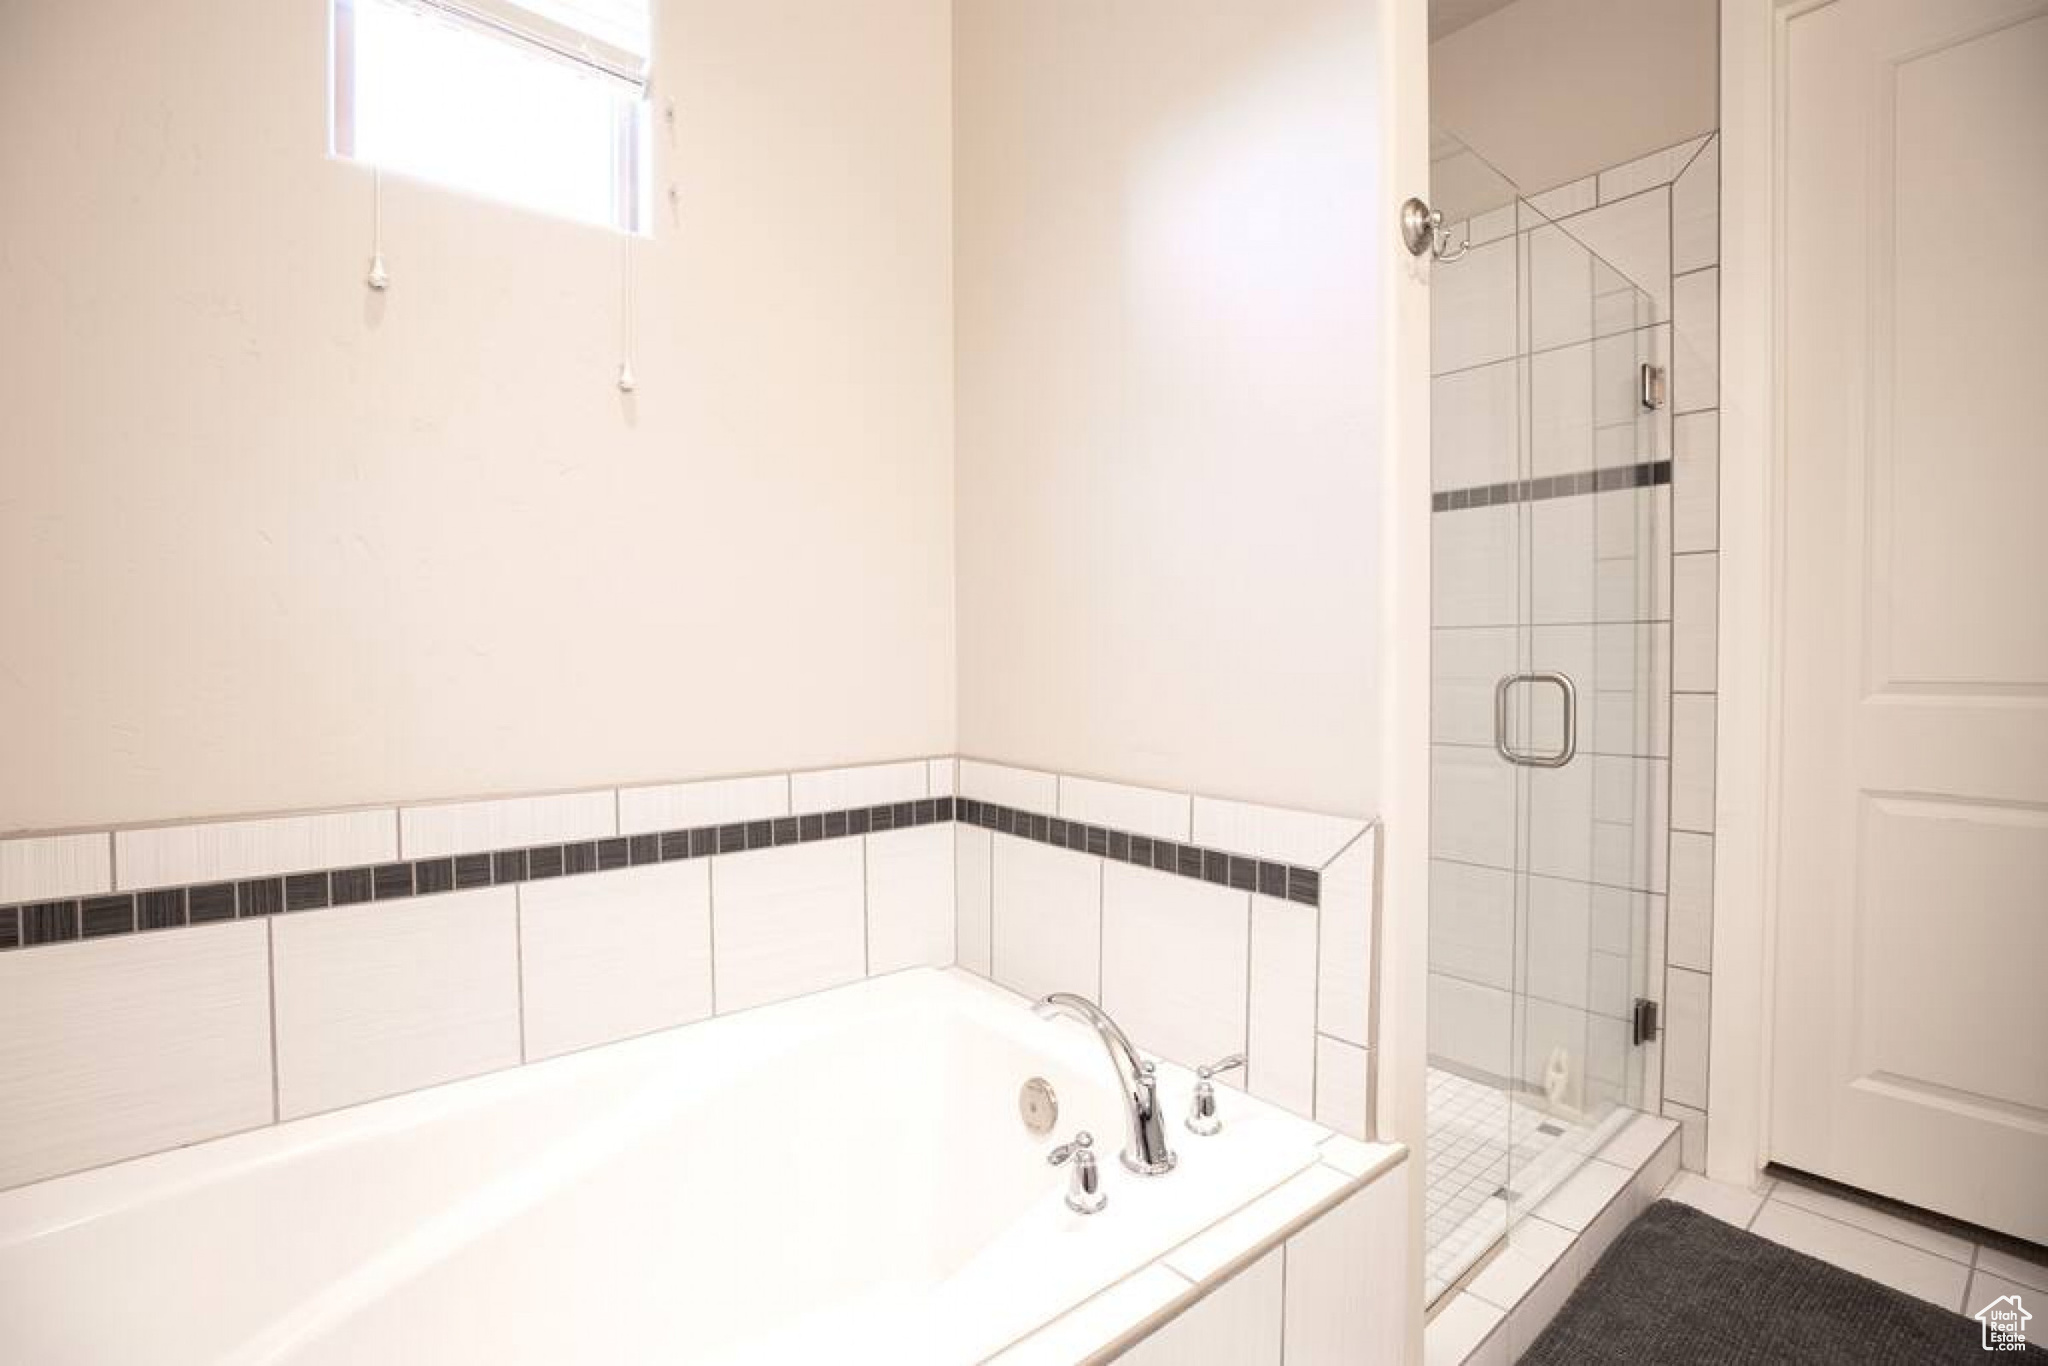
x=1146, y=1152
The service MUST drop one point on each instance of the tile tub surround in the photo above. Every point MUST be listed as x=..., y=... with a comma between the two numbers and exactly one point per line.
x=270, y=888
x=1259, y=940
x=563, y=1207
x=449, y=954
x=1656, y=220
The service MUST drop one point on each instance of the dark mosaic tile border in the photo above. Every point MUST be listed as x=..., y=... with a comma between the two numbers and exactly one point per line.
x=93, y=917
x=1225, y=869
x=1642, y=476
x=66, y=921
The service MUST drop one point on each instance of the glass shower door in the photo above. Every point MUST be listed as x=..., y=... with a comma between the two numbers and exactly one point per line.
x=1583, y=721
x=1550, y=648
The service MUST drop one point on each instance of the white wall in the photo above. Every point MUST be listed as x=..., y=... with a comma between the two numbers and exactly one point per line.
x=269, y=541
x=1167, y=424
x=1551, y=90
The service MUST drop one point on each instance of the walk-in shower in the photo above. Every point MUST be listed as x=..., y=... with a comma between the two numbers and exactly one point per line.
x=1549, y=730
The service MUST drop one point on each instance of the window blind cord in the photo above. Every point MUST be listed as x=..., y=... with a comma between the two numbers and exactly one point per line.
x=627, y=381
x=378, y=277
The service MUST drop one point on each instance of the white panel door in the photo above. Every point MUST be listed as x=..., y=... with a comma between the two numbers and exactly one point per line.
x=1910, y=1033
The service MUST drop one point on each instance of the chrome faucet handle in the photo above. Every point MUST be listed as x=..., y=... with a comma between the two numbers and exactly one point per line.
x=1202, y=1117
x=1084, y=1193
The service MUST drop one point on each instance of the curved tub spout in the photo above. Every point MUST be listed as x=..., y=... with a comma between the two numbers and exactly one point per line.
x=1146, y=1152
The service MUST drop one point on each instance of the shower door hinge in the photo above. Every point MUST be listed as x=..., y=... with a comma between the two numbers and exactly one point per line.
x=1645, y=1021
x=1650, y=387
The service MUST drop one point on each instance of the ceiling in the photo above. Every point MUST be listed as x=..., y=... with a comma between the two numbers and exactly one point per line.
x=1448, y=16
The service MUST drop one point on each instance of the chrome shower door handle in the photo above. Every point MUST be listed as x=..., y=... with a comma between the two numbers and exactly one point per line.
x=1567, y=751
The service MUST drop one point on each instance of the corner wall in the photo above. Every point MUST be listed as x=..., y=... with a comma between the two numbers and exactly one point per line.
x=1167, y=440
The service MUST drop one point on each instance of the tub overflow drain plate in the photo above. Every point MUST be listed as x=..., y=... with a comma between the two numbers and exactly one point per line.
x=1038, y=1106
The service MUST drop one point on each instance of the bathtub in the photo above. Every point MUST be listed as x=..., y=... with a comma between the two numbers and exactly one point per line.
x=843, y=1177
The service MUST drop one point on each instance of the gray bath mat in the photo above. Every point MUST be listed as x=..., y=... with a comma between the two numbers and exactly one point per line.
x=1682, y=1287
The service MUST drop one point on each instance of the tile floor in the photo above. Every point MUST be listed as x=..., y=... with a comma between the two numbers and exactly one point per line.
x=1939, y=1267
x=1496, y=1314
x=1480, y=1143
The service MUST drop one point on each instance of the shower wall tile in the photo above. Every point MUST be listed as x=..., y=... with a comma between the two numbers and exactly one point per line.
x=1281, y=1013
x=467, y=827
x=1558, y=286
x=1695, y=604
x=50, y=867
x=1472, y=923
x=1139, y=810
x=1692, y=1135
x=1644, y=173
x=1472, y=806
x=910, y=890
x=1575, y=197
x=378, y=999
x=1465, y=665
x=1475, y=426
x=787, y=921
x=1696, y=483
x=1557, y=956
x=973, y=912
x=1696, y=212
x=613, y=957
x=1634, y=236
x=1692, y=762
x=1470, y=1026
x=1473, y=313
x=221, y=850
x=1696, y=362
x=1176, y=963
x=1474, y=579
x=716, y=801
x=113, y=1049
x=1561, y=411
x=943, y=775
x=834, y=789
x=1691, y=932
x=1685, y=1037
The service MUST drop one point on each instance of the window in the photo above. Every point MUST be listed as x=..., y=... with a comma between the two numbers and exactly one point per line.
x=539, y=103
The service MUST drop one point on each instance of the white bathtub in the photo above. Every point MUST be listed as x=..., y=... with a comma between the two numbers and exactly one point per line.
x=838, y=1178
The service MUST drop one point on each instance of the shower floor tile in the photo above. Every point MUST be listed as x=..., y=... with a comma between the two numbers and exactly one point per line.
x=1478, y=1137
